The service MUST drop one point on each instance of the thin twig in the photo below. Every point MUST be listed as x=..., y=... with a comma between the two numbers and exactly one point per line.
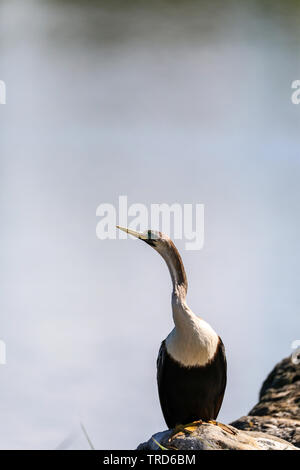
x=87, y=437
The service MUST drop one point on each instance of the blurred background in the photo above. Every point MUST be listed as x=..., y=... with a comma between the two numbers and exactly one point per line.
x=162, y=101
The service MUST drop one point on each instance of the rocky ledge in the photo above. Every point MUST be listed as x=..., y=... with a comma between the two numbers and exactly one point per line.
x=273, y=423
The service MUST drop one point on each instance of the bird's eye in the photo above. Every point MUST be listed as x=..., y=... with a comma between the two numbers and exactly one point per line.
x=151, y=237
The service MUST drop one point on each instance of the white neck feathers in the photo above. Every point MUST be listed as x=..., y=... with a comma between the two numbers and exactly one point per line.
x=192, y=342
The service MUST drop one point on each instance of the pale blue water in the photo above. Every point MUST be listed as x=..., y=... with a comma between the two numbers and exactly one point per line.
x=171, y=104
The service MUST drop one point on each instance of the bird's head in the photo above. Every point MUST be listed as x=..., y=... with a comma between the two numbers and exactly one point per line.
x=156, y=239
x=166, y=248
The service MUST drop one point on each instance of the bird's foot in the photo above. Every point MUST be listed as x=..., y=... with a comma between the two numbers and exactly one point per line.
x=185, y=428
x=189, y=428
x=222, y=426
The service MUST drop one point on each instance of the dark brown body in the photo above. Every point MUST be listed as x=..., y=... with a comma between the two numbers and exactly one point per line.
x=188, y=394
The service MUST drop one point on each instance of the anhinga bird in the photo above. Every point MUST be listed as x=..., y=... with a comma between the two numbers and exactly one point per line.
x=191, y=364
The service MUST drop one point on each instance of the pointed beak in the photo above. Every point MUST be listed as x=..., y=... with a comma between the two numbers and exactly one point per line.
x=139, y=235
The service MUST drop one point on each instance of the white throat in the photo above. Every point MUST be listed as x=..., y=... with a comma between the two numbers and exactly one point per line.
x=192, y=342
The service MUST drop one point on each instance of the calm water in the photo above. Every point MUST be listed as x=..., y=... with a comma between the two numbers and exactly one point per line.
x=181, y=102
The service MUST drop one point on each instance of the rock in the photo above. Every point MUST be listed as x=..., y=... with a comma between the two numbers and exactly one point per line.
x=211, y=437
x=287, y=429
x=273, y=423
x=277, y=412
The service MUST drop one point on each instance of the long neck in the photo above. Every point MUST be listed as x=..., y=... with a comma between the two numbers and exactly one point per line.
x=192, y=342
x=177, y=272
x=183, y=316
